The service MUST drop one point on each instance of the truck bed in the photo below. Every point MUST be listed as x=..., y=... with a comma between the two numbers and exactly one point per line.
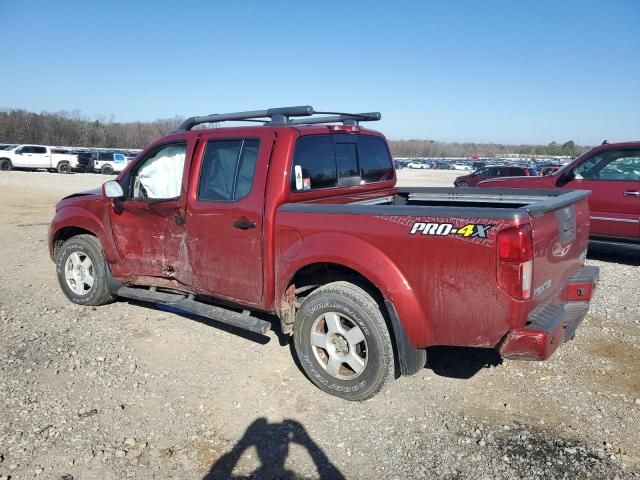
x=433, y=253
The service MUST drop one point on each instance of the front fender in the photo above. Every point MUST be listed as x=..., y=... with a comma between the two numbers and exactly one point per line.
x=78, y=217
x=370, y=262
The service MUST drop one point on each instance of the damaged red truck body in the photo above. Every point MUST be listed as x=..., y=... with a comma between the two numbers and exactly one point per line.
x=301, y=218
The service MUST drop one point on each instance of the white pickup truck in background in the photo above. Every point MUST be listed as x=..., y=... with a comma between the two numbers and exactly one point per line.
x=37, y=156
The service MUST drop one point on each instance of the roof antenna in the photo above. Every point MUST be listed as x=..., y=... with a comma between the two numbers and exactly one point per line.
x=605, y=142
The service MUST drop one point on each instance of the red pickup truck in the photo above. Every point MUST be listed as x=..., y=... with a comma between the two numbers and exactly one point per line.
x=301, y=218
x=611, y=172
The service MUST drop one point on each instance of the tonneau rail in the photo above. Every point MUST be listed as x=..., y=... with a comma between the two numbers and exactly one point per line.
x=537, y=201
x=517, y=203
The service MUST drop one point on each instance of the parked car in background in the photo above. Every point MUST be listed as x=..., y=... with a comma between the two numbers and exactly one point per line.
x=477, y=164
x=106, y=163
x=442, y=165
x=474, y=178
x=37, y=157
x=461, y=166
x=419, y=165
x=7, y=146
x=612, y=172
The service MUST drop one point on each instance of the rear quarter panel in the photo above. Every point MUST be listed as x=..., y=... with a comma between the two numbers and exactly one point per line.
x=443, y=287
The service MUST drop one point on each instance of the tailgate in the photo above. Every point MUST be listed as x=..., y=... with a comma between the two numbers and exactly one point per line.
x=560, y=230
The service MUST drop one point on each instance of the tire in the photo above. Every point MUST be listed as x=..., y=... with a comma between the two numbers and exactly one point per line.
x=5, y=165
x=463, y=185
x=74, y=254
x=330, y=314
x=64, y=168
x=106, y=170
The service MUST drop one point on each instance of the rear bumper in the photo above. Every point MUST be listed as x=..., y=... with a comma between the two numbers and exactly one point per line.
x=551, y=324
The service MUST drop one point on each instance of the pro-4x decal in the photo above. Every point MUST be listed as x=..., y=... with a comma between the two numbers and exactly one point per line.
x=470, y=230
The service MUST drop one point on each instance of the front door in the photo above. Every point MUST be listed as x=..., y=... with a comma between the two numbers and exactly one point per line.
x=32, y=156
x=224, y=218
x=613, y=177
x=147, y=224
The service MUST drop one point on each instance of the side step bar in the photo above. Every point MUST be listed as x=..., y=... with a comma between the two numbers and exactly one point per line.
x=188, y=304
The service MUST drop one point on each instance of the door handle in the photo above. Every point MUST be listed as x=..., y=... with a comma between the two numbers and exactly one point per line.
x=632, y=193
x=244, y=224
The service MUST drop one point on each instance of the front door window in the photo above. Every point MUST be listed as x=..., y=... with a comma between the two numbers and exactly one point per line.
x=160, y=176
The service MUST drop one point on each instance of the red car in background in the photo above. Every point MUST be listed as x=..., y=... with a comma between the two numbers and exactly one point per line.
x=612, y=172
x=485, y=173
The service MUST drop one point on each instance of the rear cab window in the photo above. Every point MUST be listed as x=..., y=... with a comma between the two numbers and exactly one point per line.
x=339, y=160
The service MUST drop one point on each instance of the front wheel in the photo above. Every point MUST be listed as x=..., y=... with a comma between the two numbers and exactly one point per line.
x=342, y=342
x=463, y=185
x=82, y=271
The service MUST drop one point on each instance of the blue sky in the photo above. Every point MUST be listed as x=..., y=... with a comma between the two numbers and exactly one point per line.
x=507, y=72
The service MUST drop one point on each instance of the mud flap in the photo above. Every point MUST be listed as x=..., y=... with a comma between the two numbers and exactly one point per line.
x=410, y=359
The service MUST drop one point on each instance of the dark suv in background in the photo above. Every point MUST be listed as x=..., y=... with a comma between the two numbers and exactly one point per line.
x=474, y=178
x=106, y=163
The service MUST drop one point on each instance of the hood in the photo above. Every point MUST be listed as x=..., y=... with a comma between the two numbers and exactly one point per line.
x=94, y=193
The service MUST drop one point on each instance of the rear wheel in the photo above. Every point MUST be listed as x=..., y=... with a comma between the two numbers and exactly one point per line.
x=342, y=342
x=64, y=167
x=82, y=271
x=5, y=165
x=106, y=170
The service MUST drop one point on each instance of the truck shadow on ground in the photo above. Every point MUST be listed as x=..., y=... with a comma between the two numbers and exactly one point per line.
x=247, y=335
x=460, y=362
x=452, y=362
x=271, y=442
x=606, y=252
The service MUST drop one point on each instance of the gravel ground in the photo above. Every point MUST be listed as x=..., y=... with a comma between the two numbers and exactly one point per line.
x=127, y=390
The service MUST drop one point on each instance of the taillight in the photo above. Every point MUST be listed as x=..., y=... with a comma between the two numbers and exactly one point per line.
x=515, y=261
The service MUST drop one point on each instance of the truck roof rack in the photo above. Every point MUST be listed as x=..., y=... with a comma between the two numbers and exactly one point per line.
x=282, y=116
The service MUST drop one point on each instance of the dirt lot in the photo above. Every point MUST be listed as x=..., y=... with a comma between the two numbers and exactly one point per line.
x=132, y=391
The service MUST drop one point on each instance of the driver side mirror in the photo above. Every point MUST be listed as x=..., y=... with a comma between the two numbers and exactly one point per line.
x=112, y=189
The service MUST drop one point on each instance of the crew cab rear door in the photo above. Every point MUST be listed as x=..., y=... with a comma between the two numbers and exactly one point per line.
x=614, y=178
x=224, y=217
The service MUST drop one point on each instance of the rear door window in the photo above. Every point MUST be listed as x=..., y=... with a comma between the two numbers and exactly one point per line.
x=325, y=161
x=227, y=171
x=38, y=150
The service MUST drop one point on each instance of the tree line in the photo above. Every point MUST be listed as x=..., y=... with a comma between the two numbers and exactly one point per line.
x=75, y=129
x=72, y=129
